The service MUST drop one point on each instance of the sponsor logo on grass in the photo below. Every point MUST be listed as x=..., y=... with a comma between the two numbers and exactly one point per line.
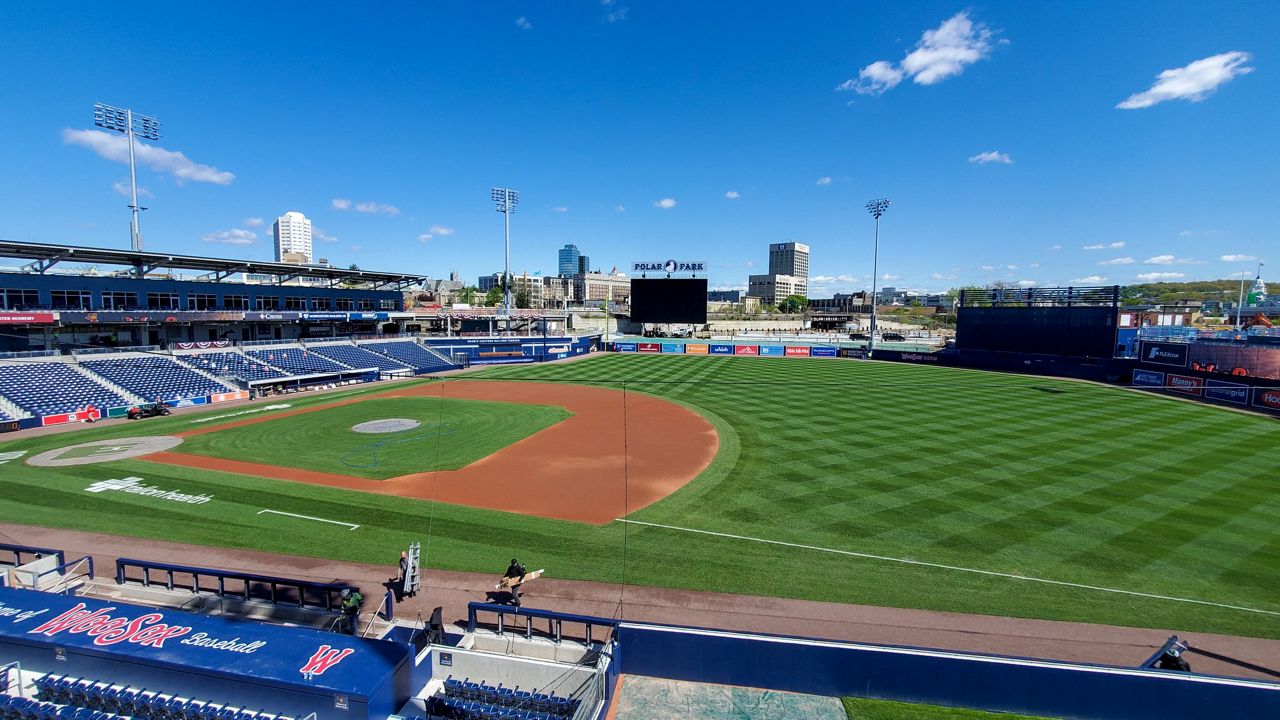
x=7, y=456
x=134, y=486
x=106, y=630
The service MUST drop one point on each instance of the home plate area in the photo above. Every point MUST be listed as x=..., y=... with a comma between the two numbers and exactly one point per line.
x=102, y=451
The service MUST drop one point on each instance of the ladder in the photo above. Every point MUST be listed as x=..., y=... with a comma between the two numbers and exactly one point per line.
x=412, y=579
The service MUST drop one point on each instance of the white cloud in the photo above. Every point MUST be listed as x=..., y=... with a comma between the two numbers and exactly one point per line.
x=1118, y=261
x=991, y=156
x=824, y=180
x=1027, y=283
x=1011, y=267
x=614, y=11
x=1185, y=233
x=523, y=23
x=1237, y=258
x=322, y=236
x=440, y=230
x=988, y=268
x=1195, y=82
x=115, y=147
x=368, y=207
x=561, y=209
x=123, y=188
x=940, y=53
x=940, y=276
x=1034, y=265
x=1055, y=248
x=888, y=276
x=254, y=221
x=665, y=203
x=751, y=263
x=1104, y=246
x=620, y=208
x=1158, y=276
x=424, y=237
x=827, y=279
x=1091, y=279
x=357, y=248
x=1170, y=260
x=732, y=195
x=234, y=236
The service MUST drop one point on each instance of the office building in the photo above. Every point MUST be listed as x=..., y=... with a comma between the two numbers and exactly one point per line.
x=584, y=264
x=292, y=232
x=789, y=258
x=594, y=288
x=568, y=256
x=773, y=288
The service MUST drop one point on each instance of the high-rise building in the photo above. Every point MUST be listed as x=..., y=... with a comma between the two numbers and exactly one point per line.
x=584, y=264
x=789, y=258
x=292, y=232
x=569, y=260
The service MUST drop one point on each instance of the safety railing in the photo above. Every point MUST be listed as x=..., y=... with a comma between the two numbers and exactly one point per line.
x=18, y=551
x=105, y=350
x=555, y=620
x=312, y=595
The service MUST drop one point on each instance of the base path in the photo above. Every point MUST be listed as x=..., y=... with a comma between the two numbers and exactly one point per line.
x=619, y=451
x=1071, y=641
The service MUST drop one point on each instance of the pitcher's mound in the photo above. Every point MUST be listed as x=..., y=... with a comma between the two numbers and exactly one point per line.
x=388, y=425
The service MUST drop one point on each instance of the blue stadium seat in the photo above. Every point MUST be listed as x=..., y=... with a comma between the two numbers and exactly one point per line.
x=232, y=364
x=50, y=388
x=297, y=361
x=358, y=357
x=412, y=354
x=155, y=378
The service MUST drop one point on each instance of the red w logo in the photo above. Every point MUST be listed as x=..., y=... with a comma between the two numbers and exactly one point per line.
x=323, y=659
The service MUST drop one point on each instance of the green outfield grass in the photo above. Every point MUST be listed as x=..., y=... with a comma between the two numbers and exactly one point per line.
x=1063, y=481
x=453, y=434
x=864, y=709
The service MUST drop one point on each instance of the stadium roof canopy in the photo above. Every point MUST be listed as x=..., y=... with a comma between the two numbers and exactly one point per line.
x=44, y=256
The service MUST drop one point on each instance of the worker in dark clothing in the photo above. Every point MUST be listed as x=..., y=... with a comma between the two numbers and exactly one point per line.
x=1172, y=660
x=515, y=570
x=351, y=602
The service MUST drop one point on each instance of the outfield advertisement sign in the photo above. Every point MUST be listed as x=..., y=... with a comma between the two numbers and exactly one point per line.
x=822, y=351
x=696, y=349
x=624, y=347
x=721, y=349
x=776, y=350
x=746, y=349
x=1148, y=378
x=1267, y=398
x=674, y=348
x=187, y=402
x=228, y=396
x=649, y=347
x=1164, y=353
x=797, y=351
x=88, y=414
x=1186, y=384
x=38, y=318
x=920, y=357
x=1227, y=391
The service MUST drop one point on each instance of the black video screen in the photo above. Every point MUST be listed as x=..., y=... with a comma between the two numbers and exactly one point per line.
x=680, y=300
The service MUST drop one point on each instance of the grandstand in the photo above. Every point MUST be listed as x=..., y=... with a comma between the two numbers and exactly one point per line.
x=358, y=357
x=420, y=358
x=296, y=360
x=232, y=363
x=156, y=377
x=52, y=388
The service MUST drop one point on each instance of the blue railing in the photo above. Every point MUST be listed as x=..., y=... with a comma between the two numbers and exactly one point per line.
x=313, y=595
x=555, y=619
x=17, y=551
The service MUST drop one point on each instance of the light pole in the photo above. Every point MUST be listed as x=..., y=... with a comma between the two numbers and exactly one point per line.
x=123, y=120
x=876, y=208
x=506, y=200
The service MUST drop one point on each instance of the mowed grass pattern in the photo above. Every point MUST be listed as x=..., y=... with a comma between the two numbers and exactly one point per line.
x=452, y=434
x=1060, y=480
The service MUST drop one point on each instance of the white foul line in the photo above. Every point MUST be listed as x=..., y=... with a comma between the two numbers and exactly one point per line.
x=940, y=566
x=308, y=517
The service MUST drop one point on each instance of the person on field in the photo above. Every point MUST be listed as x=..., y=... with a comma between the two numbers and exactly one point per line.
x=351, y=602
x=515, y=570
x=402, y=574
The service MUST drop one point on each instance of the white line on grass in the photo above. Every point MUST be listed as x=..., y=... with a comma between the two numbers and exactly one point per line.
x=940, y=566
x=308, y=517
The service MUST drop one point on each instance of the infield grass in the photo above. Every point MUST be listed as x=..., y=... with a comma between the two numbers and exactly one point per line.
x=1033, y=477
x=452, y=434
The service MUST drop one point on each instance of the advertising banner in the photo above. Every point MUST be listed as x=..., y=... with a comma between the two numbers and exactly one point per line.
x=797, y=351
x=118, y=412
x=88, y=414
x=669, y=266
x=1164, y=353
x=1186, y=384
x=270, y=316
x=822, y=351
x=227, y=396
x=10, y=426
x=368, y=316
x=721, y=349
x=1227, y=391
x=149, y=316
x=324, y=316
x=676, y=348
x=1148, y=378
x=920, y=357
x=746, y=349
x=37, y=318
x=649, y=347
x=772, y=350
x=187, y=402
x=1267, y=398
x=696, y=349
x=855, y=353
x=1240, y=360
x=202, y=345
x=624, y=347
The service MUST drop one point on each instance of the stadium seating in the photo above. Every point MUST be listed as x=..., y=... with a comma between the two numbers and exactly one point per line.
x=49, y=388
x=358, y=357
x=155, y=377
x=297, y=361
x=467, y=699
x=411, y=354
x=231, y=363
x=63, y=697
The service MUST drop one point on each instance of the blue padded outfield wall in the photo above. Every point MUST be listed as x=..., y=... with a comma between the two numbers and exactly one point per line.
x=288, y=670
x=985, y=682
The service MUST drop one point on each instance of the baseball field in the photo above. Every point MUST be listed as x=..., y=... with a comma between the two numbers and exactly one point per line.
x=846, y=481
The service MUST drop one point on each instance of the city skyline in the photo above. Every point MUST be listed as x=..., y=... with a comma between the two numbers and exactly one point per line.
x=1011, y=153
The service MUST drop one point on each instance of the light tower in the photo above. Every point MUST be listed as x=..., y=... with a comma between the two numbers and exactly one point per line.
x=123, y=120
x=506, y=200
x=876, y=208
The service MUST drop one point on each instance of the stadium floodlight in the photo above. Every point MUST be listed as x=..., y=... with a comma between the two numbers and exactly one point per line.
x=123, y=120
x=506, y=200
x=876, y=208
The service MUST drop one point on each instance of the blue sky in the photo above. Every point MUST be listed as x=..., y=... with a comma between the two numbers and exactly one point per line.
x=1010, y=136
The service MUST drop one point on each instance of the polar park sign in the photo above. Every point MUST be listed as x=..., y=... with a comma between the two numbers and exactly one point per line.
x=232, y=659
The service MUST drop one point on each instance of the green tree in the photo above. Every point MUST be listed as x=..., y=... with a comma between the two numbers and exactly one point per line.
x=793, y=304
x=522, y=298
x=493, y=298
x=467, y=296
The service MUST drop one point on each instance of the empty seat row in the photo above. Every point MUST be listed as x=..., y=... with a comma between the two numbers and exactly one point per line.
x=412, y=354
x=138, y=703
x=500, y=696
x=358, y=357
x=233, y=364
x=453, y=709
x=297, y=361
x=49, y=388
x=155, y=377
x=17, y=708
